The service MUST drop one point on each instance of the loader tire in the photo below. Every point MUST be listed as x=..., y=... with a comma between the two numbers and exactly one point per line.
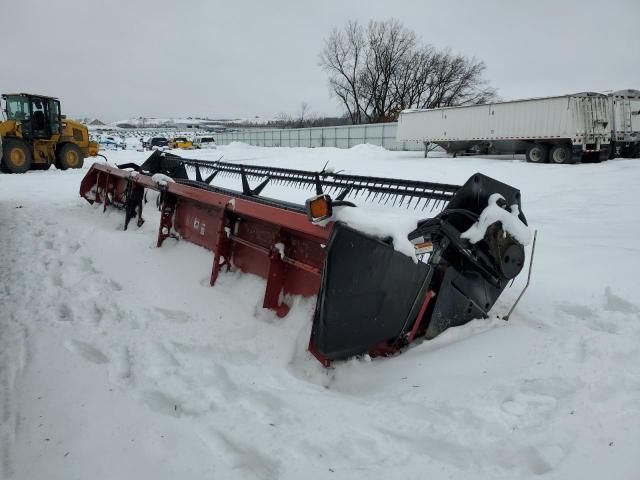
x=16, y=156
x=561, y=154
x=69, y=156
x=538, y=153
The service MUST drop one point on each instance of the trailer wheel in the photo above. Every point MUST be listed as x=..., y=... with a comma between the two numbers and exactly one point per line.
x=538, y=153
x=69, y=156
x=16, y=156
x=561, y=154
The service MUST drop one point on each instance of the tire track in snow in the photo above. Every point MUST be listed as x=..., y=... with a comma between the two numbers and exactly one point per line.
x=14, y=291
x=41, y=278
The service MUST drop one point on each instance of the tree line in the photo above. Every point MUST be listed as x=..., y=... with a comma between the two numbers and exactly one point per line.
x=381, y=69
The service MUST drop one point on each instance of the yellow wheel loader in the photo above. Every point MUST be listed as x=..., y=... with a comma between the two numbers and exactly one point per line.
x=35, y=135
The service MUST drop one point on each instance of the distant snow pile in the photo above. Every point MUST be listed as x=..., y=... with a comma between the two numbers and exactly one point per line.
x=367, y=148
x=240, y=145
x=494, y=213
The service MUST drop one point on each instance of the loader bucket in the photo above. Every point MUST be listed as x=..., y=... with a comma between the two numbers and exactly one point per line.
x=371, y=299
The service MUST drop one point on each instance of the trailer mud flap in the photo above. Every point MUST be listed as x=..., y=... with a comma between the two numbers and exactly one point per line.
x=368, y=294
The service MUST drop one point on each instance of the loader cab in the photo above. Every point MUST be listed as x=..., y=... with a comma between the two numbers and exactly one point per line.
x=38, y=116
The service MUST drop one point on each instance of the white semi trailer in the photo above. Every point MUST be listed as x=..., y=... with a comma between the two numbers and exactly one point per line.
x=563, y=129
x=624, y=108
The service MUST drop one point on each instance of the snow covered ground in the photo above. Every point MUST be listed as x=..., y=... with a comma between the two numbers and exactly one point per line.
x=118, y=361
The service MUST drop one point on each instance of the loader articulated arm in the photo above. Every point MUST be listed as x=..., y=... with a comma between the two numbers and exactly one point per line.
x=371, y=299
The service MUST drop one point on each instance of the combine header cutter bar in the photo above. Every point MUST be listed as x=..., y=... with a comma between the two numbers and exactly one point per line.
x=370, y=298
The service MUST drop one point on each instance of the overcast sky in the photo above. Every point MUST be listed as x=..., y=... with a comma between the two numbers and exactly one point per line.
x=116, y=59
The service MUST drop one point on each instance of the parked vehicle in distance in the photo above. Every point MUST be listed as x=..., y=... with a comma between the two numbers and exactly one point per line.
x=562, y=129
x=110, y=143
x=204, y=142
x=181, y=142
x=156, y=143
x=625, y=123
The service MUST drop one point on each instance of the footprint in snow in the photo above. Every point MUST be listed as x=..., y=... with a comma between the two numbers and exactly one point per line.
x=534, y=460
x=614, y=303
x=65, y=314
x=251, y=462
x=115, y=285
x=578, y=311
x=86, y=351
x=178, y=316
x=162, y=403
x=87, y=265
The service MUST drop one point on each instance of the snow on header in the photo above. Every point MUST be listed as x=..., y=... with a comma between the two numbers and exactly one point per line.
x=382, y=225
x=494, y=213
x=162, y=179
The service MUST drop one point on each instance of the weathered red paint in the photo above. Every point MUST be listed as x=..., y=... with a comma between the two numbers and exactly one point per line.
x=279, y=245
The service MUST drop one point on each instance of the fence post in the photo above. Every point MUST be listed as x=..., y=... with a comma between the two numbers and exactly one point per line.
x=382, y=139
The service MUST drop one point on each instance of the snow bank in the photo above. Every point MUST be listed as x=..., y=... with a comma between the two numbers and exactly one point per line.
x=368, y=149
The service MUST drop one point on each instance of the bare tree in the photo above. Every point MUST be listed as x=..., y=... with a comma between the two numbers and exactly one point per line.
x=343, y=59
x=303, y=115
x=284, y=118
x=389, y=45
x=379, y=71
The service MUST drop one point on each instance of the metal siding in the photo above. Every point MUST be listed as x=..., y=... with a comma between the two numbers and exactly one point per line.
x=624, y=121
x=540, y=119
x=634, y=106
x=317, y=138
x=345, y=136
